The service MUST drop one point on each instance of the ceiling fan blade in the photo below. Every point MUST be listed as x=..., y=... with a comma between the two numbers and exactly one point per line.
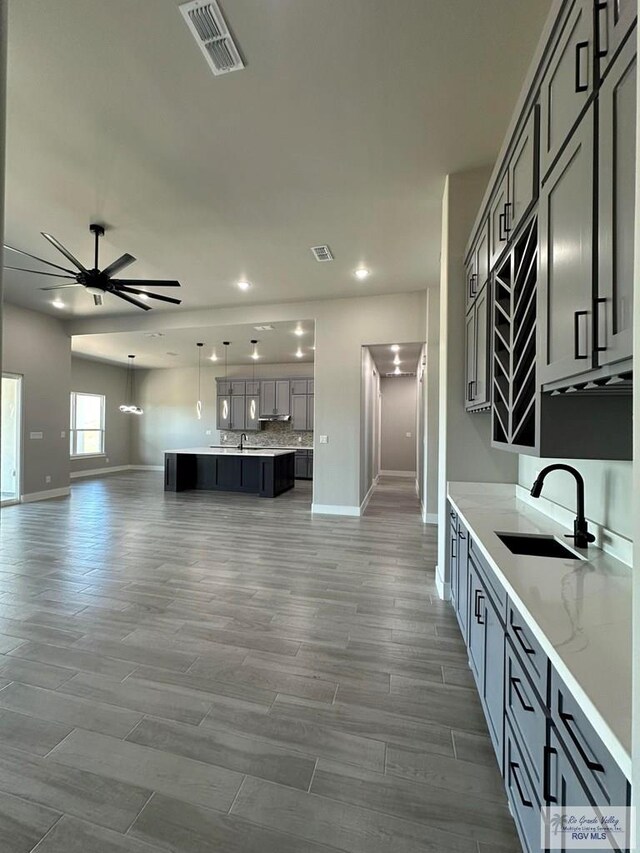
x=61, y=286
x=118, y=265
x=130, y=299
x=39, y=272
x=97, y=299
x=36, y=258
x=132, y=282
x=64, y=251
x=150, y=295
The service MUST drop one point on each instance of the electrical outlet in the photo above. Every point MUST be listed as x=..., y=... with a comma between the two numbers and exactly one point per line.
x=47, y=479
x=299, y=439
x=324, y=439
x=408, y=435
x=207, y=432
x=63, y=434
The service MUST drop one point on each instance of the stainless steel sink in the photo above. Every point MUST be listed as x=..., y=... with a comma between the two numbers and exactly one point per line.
x=535, y=545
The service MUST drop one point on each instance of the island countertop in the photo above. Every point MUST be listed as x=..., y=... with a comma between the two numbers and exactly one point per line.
x=230, y=451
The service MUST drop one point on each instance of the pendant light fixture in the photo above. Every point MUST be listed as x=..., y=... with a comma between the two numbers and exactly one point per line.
x=129, y=407
x=199, y=400
x=254, y=354
x=253, y=404
x=226, y=398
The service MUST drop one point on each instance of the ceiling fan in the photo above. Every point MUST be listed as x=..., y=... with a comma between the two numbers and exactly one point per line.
x=97, y=281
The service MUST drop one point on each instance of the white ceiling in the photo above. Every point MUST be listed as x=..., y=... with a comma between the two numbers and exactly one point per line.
x=340, y=131
x=178, y=347
x=408, y=354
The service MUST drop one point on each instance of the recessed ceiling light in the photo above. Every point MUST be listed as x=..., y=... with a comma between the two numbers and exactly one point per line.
x=244, y=285
x=265, y=328
x=394, y=347
x=361, y=273
x=153, y=335
x=299, y=354
x=58, y=303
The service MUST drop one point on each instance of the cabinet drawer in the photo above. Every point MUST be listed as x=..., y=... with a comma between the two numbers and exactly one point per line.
x=525, y=805
x=525, y=714
x=529, y=651
x=491, y=582
x=604, y=780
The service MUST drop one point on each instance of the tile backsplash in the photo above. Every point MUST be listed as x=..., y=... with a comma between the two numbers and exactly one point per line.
x=272, y=434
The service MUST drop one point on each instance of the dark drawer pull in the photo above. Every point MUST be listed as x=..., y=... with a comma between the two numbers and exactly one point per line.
x=507, y=227
x=576, y=334
x=478, y=602
x=502, y=236
x=603, y=40
x=461, y=534
x=454, y=556
x=580, y=86
x=513, y=767
x=517, y=630
x=601, y=300
x=452, y=513
x=516, y=689
x=470, y=393
x=568, y=720
x=546, y=782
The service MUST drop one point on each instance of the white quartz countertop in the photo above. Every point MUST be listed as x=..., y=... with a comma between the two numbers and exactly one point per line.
x=265, y=447
x=579, y=610
x=231, y=451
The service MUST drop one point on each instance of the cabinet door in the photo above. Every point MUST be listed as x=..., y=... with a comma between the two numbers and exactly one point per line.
x=252, y=413
x=301, y=467
x=615, y=19
x=298, y=386
x=470, y=344
x=237, y=386
x=482, y=256
x=283, y=391
x=523, y=174
x=524, y=800
x=463, y=580
x=268, y=397
x=498, y=235
x=568, y=82
x=224, y=412
x=299, y=411
x=481, y=386
x=252, y=388
x=477, y=620
x=453, y=564
x=224, y=387
x=471, y=279
x=311, y=411
x=565, y=264
x=311, y=386
x=492, y=693
x=617, y=169
x=237, y=412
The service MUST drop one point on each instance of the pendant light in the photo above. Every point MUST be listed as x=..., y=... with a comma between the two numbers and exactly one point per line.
x=199, y=400
x=254, y=354
x=129, y=407
x=253, y=405
x=226, y=399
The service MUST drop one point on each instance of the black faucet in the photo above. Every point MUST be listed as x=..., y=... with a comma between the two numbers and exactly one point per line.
x=243, y=437
x=581, y=535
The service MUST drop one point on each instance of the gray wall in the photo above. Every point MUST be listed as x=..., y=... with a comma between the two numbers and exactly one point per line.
x=37, y=347
x=397, y=450
x=96, y=377
x=168, y=397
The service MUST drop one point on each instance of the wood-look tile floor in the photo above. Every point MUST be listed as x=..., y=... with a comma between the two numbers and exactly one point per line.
x=204, y=672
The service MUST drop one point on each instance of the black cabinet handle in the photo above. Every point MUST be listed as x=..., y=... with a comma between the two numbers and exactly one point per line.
x=576, y=334
x=461, y=534
x=517, y=630
x=601, y=300
x=478, y=602
x=513, y=767
x=454, y=556
x=470, y=394
x=472, y=284
x=507, y=227
x=501, y=235
x=580, y=47
x=546, y=781
x=516, y=689
x=569, y=720
x=603, y=41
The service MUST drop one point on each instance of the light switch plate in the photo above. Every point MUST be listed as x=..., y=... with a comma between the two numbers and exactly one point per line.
x=408, y=435
x=207, y=432
x=324, y=439
x=35, y=435
x=63, y=434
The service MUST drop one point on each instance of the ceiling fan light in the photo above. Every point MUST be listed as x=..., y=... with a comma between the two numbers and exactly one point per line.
x=96, y=291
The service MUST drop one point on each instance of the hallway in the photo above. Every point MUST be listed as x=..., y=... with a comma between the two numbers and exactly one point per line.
x=212, y=672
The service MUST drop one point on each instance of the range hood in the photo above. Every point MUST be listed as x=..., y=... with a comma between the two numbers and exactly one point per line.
x=274, y=418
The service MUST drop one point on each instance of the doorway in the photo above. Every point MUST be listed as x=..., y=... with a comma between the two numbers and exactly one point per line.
x=10, y=428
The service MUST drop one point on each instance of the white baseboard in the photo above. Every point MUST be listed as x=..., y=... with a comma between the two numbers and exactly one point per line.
x=96, y=472
x=397, y=474
x=146, y=467
x=334, y=509
x=429, y=517
x=46, y=495
x=367, y=497
x=610, y=542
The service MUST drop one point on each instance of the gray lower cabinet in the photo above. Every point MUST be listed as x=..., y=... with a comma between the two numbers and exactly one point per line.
x=616, y=200
x=453, y=557
x=615, y=19
x=475, y=632
x=463, y=578
x=524, y=800
x=565, y=261
x=568, y=82
x=304, y=465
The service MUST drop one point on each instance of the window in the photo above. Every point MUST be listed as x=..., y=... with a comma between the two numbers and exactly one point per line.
x=86, y=431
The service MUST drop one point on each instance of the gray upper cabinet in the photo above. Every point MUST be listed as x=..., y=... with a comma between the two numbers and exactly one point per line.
x=238, y=386
x=274, y=397
x=523, y=174
x=252, y=387
x=615, y=19
x=224, y=387
x=311, y=386
x=299, y=411
x=478, y=388
x=283, y=393
x=498, y=236
x=477, y=270
x=237, y=411
x=617, y=167
x=565, y=263
x=311, y=411
x=470, y=349
x=299, y=386
x=224, y=412
x=252, y=412
x=568, y=82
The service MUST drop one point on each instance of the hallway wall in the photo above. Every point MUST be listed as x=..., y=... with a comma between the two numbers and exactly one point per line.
x=398, y=424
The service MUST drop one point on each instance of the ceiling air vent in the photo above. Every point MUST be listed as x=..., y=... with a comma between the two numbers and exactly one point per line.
x=322, y=253
x=209, y=29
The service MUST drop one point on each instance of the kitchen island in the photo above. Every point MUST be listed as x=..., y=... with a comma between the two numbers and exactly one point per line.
x=265, y=472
